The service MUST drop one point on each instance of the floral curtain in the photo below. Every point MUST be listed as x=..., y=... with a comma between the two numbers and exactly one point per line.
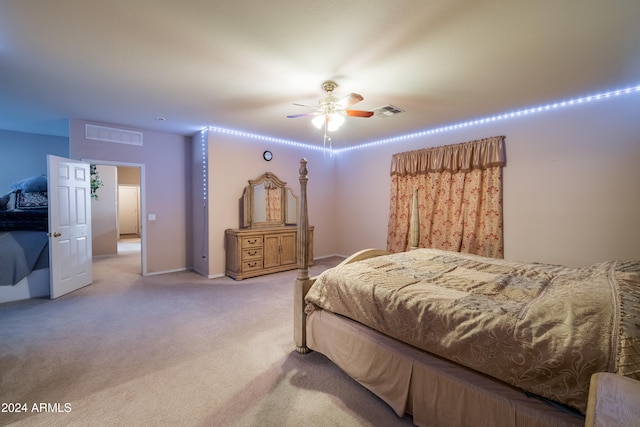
x=459, y=198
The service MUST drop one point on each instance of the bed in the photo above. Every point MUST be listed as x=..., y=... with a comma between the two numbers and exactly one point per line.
x=24, y=257
x=495, y=343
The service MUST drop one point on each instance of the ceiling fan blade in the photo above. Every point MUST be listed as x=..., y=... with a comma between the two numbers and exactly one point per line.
x=295, y=116
x=302, y=105
x=358, y=113
x=349, y=100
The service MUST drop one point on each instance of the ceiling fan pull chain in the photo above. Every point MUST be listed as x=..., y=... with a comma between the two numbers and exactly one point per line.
x=326, y=139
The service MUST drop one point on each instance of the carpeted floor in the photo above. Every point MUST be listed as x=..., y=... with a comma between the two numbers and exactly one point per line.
x=128, y=243
x=174, y=349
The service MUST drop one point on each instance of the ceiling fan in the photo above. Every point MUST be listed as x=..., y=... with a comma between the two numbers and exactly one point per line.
x=331, y=111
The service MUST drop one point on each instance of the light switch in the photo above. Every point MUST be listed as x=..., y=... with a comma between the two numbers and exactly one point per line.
x=152, y=217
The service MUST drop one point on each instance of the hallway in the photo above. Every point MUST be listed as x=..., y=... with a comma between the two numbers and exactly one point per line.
x=128, y=244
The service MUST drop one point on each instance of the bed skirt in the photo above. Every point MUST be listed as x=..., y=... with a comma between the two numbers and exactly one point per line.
x=435, y=391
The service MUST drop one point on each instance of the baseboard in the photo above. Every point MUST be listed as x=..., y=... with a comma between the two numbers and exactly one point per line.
x=166, y=271
x=329, y=256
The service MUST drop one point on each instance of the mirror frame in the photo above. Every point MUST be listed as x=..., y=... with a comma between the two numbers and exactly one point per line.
x=248, y=214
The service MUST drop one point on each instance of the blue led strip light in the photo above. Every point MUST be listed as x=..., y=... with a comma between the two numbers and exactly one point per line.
x=203, y=146
x=491, y=119
x=448, y=128
x=264, y=138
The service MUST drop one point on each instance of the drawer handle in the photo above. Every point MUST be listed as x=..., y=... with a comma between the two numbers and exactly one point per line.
x=253, y=264
x=252, y=253
x=253, y=242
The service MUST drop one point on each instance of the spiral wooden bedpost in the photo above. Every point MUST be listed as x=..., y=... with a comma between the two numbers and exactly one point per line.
x=303, y=225
x=303, y=283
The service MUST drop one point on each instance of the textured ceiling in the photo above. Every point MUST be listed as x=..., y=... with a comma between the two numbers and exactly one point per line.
x=242, y=64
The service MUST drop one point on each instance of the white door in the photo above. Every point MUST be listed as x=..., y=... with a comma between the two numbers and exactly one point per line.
x=69, y=225
x=128, y=209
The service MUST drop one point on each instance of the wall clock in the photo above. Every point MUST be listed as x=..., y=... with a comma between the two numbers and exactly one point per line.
x=267, y=155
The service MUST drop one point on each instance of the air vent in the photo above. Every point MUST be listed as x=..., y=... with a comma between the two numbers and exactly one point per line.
x=387, y=111
x=107, y=134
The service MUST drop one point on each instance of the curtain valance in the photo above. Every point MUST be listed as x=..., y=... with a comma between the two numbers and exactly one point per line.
x=480, y=154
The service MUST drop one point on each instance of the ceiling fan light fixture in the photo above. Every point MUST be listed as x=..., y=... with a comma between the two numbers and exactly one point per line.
x=331, y=111
x=318, y=121
x=334, y=121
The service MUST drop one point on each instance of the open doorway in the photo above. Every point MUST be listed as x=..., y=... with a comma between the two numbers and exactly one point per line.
x=128, y=211
x=116, y=214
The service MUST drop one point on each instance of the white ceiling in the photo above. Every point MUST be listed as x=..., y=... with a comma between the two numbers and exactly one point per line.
x=242, y=64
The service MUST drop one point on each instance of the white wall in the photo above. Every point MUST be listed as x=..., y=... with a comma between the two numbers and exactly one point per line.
x=167, y=188
x=571, y=184
x=233, y=161
x=199, y=226
x=104, y=225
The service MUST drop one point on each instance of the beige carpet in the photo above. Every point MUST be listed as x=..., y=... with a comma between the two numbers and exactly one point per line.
x=174, y=349
x=129, y=243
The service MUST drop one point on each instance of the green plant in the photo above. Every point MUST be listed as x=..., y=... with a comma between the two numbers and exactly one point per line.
x=96, y=182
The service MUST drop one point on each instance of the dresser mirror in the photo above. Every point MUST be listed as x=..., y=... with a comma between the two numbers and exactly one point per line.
x=267, y=240
x=268, y=202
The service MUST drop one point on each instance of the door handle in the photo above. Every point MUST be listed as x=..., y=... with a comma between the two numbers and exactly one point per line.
x=55, y=234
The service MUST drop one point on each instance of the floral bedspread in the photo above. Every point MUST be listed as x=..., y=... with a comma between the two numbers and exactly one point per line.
x=543, y=328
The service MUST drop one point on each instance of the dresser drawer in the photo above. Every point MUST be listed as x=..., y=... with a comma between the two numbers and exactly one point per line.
x=252, y=253
x=263, y=250
x=250, y=265
x=251, y=241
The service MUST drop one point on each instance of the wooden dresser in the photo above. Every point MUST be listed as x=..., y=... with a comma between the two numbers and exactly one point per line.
x=254, y=252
